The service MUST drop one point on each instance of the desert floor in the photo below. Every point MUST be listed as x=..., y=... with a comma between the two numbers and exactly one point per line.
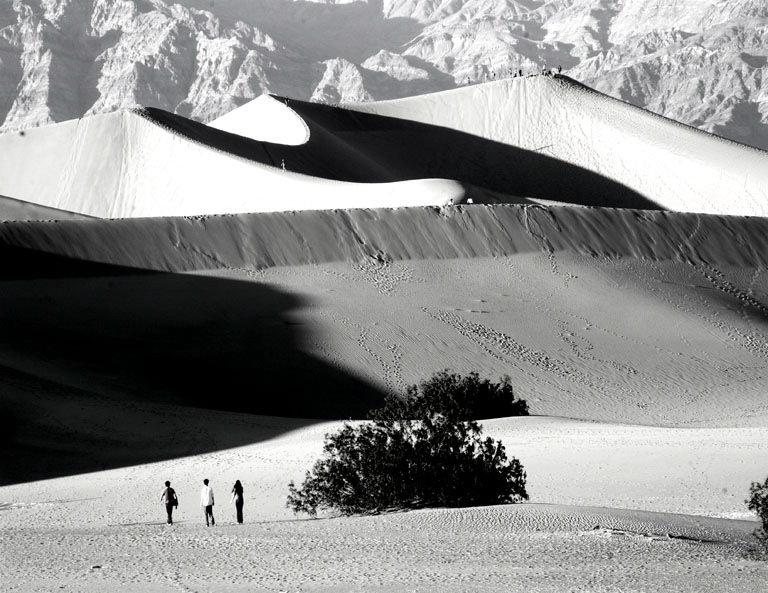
x=106, y=531
x=646, y=380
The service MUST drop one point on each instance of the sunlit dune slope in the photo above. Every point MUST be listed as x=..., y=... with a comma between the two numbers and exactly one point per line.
x=128, y=164
x=676, y=166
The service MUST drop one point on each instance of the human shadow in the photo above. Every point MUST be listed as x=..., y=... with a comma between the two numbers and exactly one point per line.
x=349, y=145
x=103, y=366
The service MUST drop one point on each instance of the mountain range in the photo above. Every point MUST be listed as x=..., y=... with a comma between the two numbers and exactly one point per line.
x=699, y=62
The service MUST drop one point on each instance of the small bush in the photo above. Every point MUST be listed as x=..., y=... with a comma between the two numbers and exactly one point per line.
x=758, y=502
x=423, y=450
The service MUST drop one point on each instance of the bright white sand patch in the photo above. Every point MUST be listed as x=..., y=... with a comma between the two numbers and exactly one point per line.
x=266, y=119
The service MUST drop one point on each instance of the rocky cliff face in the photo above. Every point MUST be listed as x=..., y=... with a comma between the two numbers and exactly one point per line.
x=700, y=62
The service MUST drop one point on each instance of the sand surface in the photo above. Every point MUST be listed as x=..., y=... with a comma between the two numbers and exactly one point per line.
x=105, y=530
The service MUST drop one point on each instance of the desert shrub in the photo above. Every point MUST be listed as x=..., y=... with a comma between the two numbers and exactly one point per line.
x=468, y=397
x=422, y=450
x=758, y=502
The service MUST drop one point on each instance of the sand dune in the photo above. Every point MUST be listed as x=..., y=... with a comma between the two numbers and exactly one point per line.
x=266, y=119
x=548, y=139
x=127, y=164
x=285, y=239
x=676, y=166
x=646, y=317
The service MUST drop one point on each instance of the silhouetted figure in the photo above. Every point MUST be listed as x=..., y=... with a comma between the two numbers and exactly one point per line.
x=237, y=498
x=171, y=501
x=206, y=501
x=559, y=69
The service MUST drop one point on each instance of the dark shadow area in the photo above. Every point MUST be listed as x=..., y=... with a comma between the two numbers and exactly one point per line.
x=746, y=126
x=76, y=59
x=103, y=366
x=352, y=146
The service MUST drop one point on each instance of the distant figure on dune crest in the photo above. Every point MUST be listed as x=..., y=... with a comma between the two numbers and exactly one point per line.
x=237, y=498
x=206, y=501
x=170, y=499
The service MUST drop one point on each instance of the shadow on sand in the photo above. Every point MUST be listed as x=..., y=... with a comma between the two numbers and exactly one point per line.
x=103, y=366
x=351, y=146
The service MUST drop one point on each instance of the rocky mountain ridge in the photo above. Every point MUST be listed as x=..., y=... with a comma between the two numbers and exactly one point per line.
x=700, y=62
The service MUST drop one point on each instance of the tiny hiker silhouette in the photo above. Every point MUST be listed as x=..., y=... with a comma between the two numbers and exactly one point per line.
x=237, y=498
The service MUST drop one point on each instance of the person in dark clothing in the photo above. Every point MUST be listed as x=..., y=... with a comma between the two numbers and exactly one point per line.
x=237, y=498
x=168, y=496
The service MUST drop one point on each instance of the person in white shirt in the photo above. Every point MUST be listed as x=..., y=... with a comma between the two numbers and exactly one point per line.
x=206, y=501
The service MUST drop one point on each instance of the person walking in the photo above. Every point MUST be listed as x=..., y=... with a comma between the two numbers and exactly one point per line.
x=237, y=498
x=168, y=496
x=206, y=501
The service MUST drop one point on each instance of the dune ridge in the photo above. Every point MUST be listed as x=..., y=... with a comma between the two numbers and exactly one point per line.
x=126, y=165
x=678, y=167
x=259, y=241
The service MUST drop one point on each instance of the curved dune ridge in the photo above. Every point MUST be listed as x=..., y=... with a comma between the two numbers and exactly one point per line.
x=127, y=164
x=521, y=140
x=678, y=167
